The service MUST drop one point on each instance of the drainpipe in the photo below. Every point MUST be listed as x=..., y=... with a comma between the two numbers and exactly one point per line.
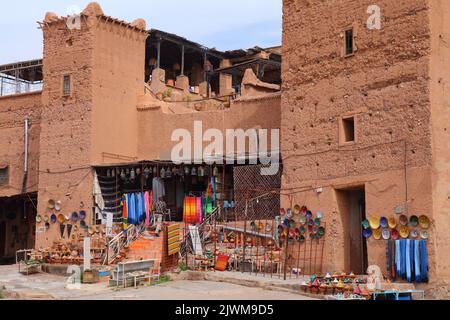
x=25, y=161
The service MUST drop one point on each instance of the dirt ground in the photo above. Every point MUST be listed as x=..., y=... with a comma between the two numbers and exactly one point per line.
x=46, y=286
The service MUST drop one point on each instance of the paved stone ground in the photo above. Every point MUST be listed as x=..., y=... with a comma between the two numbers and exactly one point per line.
x=45, y=286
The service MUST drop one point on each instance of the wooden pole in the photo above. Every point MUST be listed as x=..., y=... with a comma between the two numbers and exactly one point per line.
x=158, y=48
x=182, y=60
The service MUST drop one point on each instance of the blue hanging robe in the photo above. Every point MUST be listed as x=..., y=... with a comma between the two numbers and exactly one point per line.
x=417, y=275
x=423, y=261
x=398, y=260
x=403, y=259
x=408, y=260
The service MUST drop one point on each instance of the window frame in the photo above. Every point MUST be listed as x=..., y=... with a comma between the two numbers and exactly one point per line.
x=342, y=130
x=64, y=92
x=352, y=29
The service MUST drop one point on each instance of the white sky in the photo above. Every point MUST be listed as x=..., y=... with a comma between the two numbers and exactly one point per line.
x=224, y=24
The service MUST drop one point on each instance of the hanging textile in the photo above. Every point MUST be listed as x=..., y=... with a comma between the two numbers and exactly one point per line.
x=125, y=213
x=397, y=258
x=417, y=272
x=199, y=213
x=159, y=191
x=411, y=260
x=98, y=198
x=408, y=260
x=190, y=210
x=148, y=199
x=423, y=261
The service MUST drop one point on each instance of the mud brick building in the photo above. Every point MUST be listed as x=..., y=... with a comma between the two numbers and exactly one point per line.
x=363, y=115
x=365, y=121
x=107, y=96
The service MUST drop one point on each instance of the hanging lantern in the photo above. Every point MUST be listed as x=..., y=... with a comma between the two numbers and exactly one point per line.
x=169, y=173
x=180, y=171
x=193, y=171
x=113, y=173
x=122, y=175
x=201, y=171
x=146, y=172
x=215, y=171
x=132, y=175
x=155, y=170
x=108, y=173
x=163, y=173
x=138, y=171
x=187, y=171
x=176, y=67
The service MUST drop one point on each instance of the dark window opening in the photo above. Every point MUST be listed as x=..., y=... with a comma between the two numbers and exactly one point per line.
x=4, y=176
x=348, y=126
x=66, y=85
x=348, y=42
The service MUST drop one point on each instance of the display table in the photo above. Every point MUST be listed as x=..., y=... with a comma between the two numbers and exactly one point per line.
x=396, y=294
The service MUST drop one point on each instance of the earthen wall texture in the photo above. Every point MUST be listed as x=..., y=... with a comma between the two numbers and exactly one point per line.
x=440, y=86
x=118, y=80
x=156, y=127
x=384, y=86
x=65, y=173
x=13, y=111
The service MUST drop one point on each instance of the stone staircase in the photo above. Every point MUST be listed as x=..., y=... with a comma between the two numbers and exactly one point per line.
x=145, y=247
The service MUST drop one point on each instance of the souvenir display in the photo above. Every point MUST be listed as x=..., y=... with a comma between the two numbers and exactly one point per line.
x=61, y=219
x=74, y=217
x=366, y=224
x=407, y=227
x=377, y=234
x=408, y=260
x=367, y=233
x=424, y=222
x=413, y=221
x=394, y=234
x=404, y=232
x=374, y=223
x=403, y=220
x=51, y=204
x=384, y=222
x=386, y=234
x=392, y=223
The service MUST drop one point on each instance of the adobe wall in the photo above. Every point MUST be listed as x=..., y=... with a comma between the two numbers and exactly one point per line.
x=440, y=116
x=119, y=57
x=156, y=126
x=13, y=111
x=66, y=126
x=384, y=86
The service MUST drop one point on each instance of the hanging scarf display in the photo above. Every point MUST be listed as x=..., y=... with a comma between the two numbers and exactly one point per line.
x=417, y=275
x=196, y=209
x=411, y=260
x=125, y=213
x=423, y=261
x=134, y=209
